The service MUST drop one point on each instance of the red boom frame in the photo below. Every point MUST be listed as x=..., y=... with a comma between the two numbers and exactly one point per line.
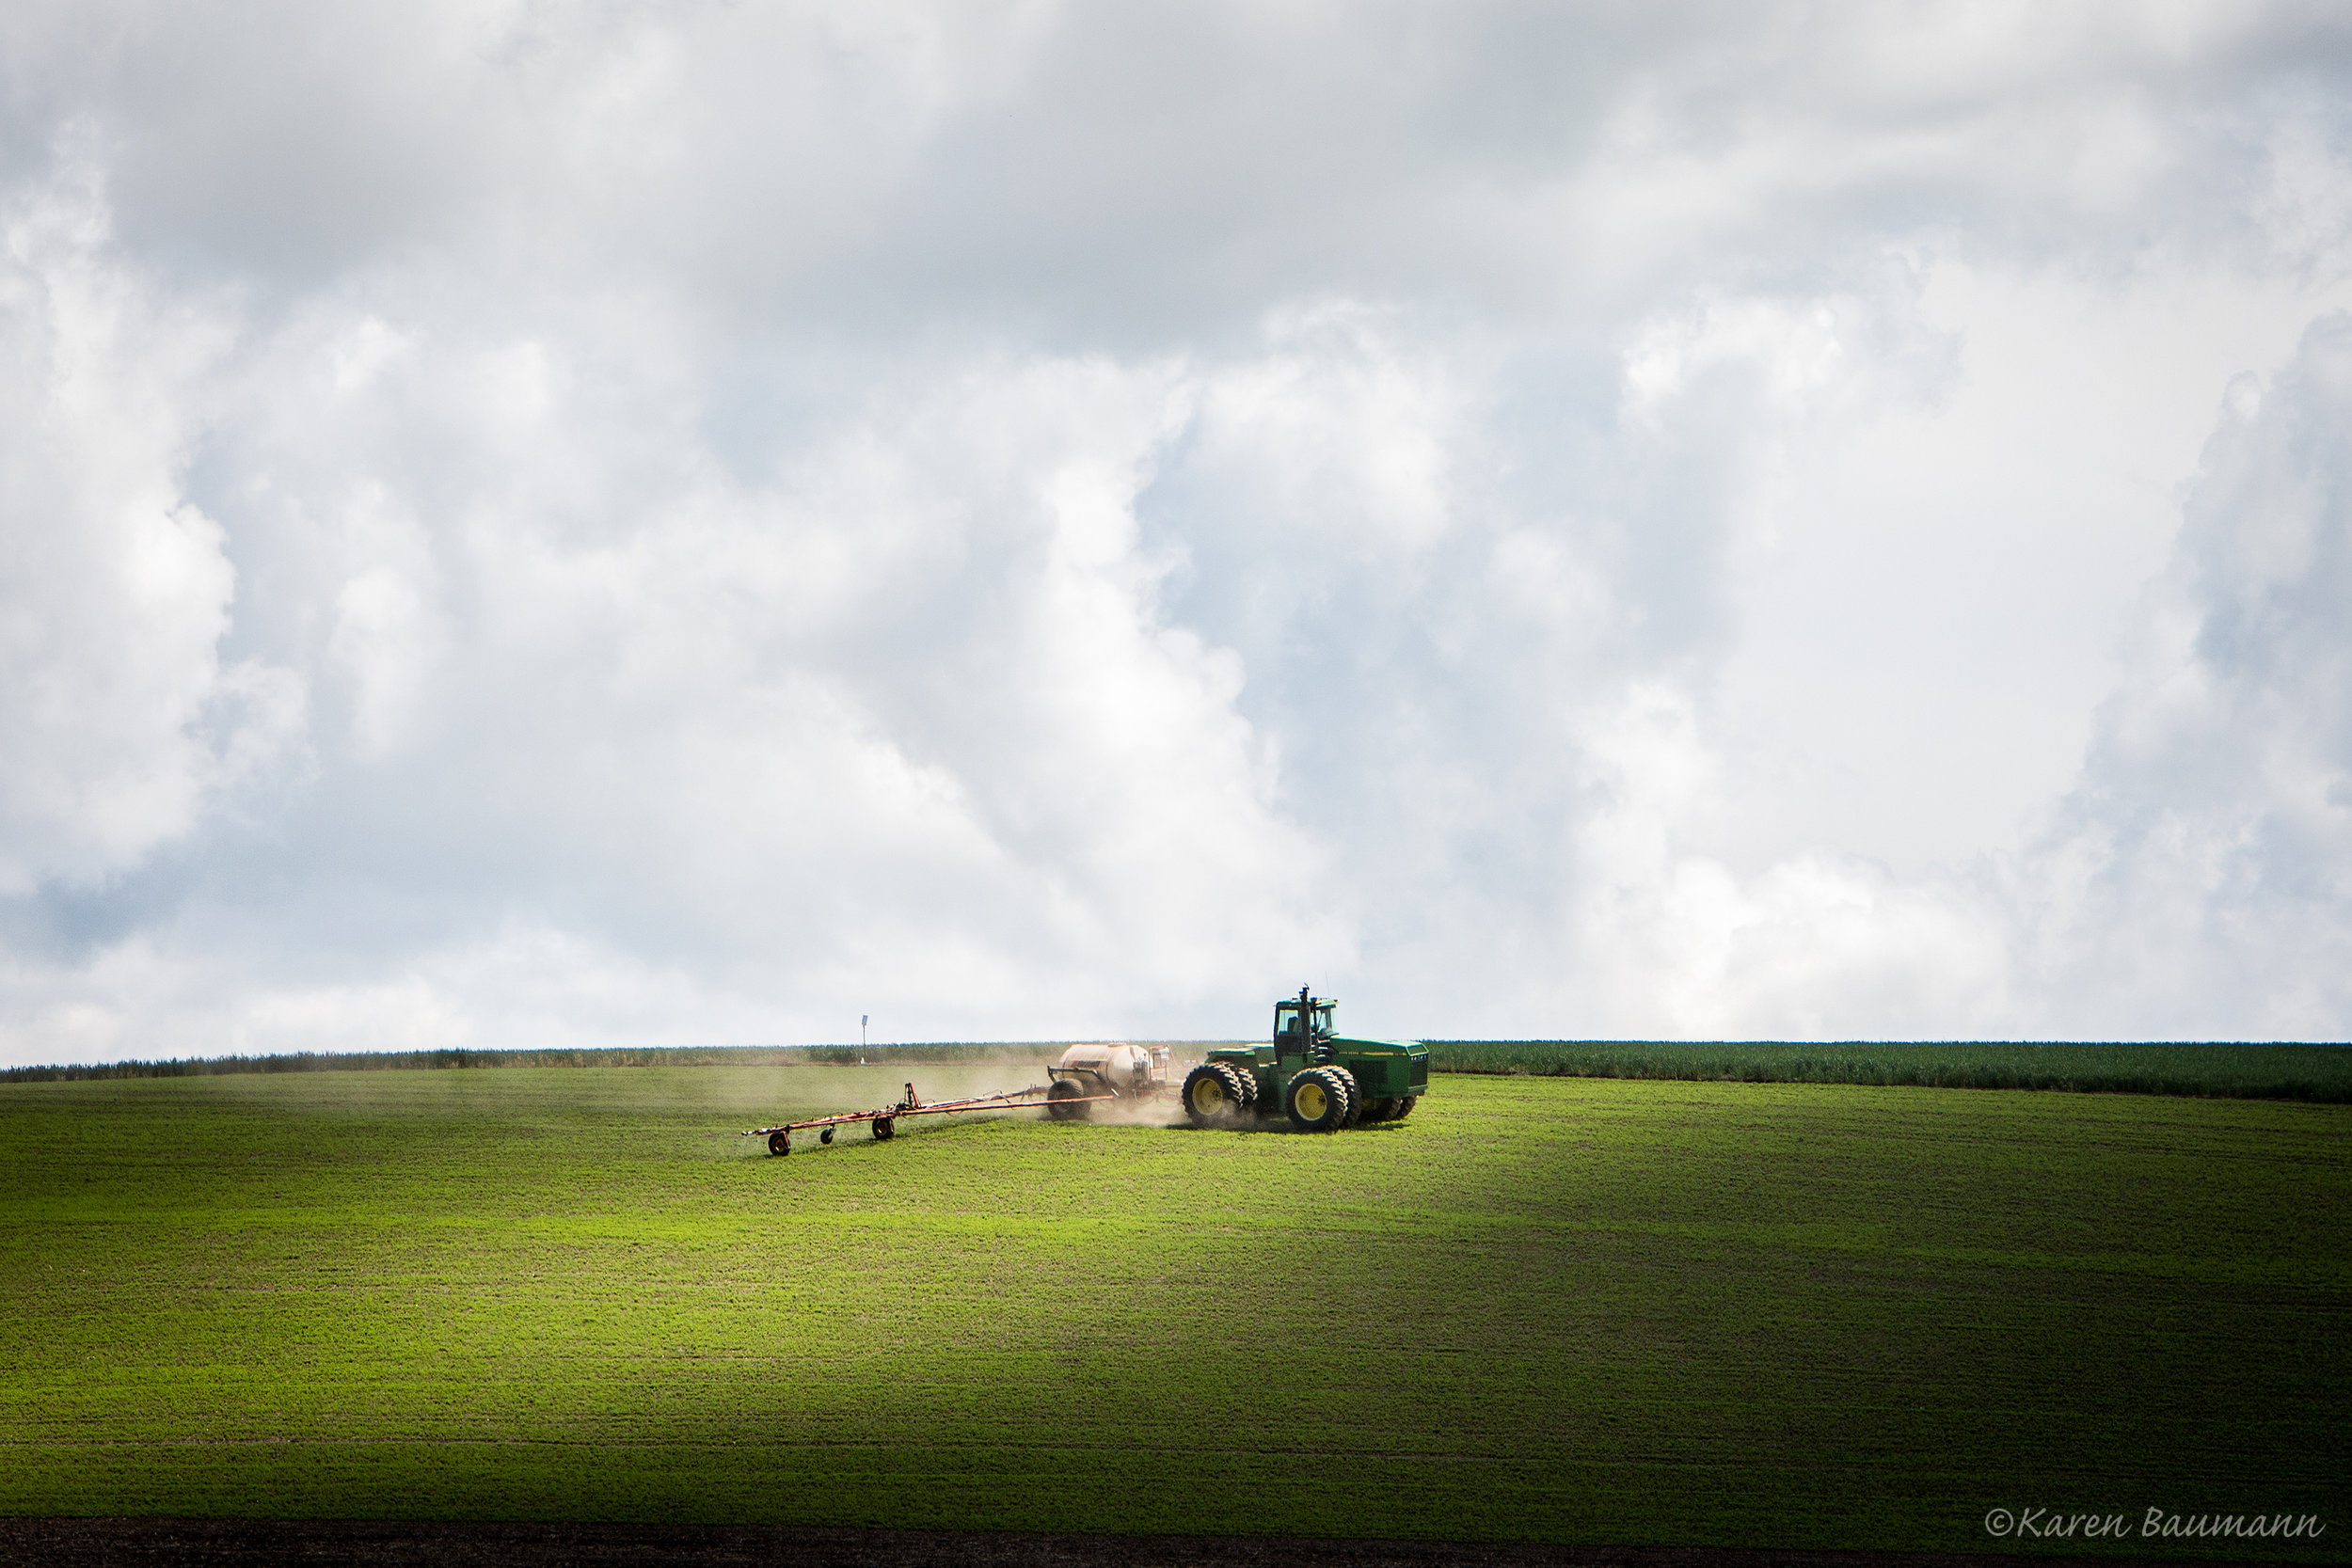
x=885, y=1120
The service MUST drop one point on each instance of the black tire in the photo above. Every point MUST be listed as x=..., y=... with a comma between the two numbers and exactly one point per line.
x=1357, y=1101
x=1355, y=1095
x=825, y=1136
x=1405, y=1106
x=779, y=1143
x=1317, y=1098
x=1383, y=1109
x=886, y=1129
x=1215, y=1095
x=1057, y=1097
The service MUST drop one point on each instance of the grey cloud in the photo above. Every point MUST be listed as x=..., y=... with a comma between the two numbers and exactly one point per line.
x=1133, y=177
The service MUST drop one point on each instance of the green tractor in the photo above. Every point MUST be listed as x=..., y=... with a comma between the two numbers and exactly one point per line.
x=1321, y=1082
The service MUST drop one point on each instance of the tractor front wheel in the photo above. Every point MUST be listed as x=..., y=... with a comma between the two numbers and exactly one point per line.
x=1214, y=1094
x=1380, y=1110
x=1057, y=1102
x=1405, y=1106
x=1317, y=1099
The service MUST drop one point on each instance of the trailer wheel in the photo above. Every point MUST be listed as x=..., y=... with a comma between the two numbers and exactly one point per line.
x=1214, y=1094
x=825, y=1136
x=1058, y=1097
x=1317, y=1099
x=883, y=1129
x=779, y=1143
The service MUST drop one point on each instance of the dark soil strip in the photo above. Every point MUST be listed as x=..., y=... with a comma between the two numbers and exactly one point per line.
x=220, y=1543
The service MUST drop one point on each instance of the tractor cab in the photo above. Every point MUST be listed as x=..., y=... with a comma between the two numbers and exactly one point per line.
x=1302, y=1027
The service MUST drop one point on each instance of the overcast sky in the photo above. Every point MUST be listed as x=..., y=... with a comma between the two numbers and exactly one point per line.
x=541, y=524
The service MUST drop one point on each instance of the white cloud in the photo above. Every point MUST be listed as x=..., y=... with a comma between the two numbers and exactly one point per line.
x=549, y=524
x=114, y=589
x=2201, y=868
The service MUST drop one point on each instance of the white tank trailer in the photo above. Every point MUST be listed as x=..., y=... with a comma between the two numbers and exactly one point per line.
x=1088, y=1073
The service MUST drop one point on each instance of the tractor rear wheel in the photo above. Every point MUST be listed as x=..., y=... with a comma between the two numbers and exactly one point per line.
x=1357, y=1101
x=1214, y=1094
x=779, y=1143
x=1317, y=1099
x=884, y=1129
x=1058, y=1097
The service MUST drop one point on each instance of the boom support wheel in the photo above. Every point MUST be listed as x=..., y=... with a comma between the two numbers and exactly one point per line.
x=779, y=1143
x=886, y=1129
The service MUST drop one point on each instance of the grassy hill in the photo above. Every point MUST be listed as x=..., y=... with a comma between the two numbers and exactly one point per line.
x=1568, y=1309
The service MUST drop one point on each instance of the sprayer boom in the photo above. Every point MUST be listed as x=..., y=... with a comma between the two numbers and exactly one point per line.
x=884, y=1122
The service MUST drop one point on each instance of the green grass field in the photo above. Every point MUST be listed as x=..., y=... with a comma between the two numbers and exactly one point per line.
x=1573, y=1309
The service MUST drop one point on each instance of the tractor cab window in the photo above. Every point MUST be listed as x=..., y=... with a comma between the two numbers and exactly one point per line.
x=1287, y=1024
x=1323, y=1021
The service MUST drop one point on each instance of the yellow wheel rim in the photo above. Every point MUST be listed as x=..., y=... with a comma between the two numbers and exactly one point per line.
x=1207, y=1095
x=1312, y=1102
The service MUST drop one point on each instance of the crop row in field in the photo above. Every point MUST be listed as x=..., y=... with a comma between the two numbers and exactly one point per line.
x=1560, y=1309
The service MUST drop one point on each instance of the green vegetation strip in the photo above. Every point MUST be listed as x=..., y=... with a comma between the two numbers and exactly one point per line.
x=1567, y=1309
x=394, y=1061
x=2284, y=1070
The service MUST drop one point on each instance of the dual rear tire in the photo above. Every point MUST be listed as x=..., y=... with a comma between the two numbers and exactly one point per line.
x=1219, y=1094
x=1321, y=1098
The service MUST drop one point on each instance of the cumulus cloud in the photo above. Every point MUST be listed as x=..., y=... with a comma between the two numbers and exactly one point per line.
x=537, y=524
x=115, y=588
x=2200, y=872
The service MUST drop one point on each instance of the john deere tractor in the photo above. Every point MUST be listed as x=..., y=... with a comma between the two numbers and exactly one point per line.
x=1321, y=1082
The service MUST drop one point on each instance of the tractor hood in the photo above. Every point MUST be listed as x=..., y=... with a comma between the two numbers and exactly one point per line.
x=1378, y=1048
